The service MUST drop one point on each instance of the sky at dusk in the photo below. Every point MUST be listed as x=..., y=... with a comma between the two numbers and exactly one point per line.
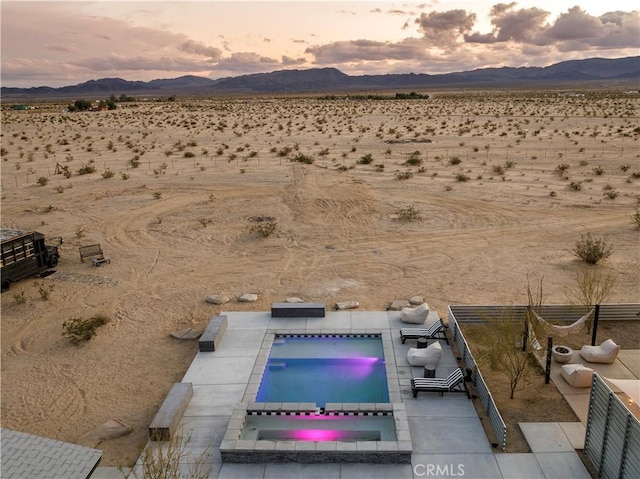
x=64, y=43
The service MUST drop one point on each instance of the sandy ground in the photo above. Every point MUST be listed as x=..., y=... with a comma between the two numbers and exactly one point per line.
x=180, y=232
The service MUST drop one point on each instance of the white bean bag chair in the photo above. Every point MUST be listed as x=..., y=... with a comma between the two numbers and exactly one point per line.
x=577, y=375
x=606, y=353
x=428, y=357
x=417, y=315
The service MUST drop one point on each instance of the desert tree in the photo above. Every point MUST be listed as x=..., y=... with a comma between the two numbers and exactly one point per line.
x=592, y=286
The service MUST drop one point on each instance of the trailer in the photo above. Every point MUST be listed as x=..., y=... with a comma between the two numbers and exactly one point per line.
x=24, y=254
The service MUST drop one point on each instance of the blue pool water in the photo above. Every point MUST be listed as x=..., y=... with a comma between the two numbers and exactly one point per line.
x=325, y=369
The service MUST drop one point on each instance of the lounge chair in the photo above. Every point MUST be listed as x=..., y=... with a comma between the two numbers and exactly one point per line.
x=427, y=357
x=577, y=375
x=606, y=353
x=453, y=384
x=417, y=315
x=435, y=331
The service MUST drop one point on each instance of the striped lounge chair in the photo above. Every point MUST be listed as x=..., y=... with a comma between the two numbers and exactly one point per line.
x=435, y=331
x=453, y=384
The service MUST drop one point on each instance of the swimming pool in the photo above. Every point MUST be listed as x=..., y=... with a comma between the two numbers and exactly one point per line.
x=325, y=369
x=321, y=397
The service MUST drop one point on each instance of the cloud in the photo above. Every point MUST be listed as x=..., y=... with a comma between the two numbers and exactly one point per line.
x=359, y=50
x=246, y=62
x=445, y=29
x=114, y=63
x=199, y=48
x=574, y=30
x=577, y=30
x=288, y=61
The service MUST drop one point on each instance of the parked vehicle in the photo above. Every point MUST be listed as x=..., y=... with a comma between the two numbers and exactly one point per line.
x=24, y=254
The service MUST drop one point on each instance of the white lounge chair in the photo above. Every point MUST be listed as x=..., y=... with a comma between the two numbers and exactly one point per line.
x=577, y=375
x=435, y=331
x=452, y=384
x=428, y=357
x=417, y=315
x=606, y=353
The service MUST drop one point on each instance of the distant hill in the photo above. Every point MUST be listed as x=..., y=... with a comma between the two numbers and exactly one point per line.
x=317, y=80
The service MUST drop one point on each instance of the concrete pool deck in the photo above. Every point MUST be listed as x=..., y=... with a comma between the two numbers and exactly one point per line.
x=447, y=435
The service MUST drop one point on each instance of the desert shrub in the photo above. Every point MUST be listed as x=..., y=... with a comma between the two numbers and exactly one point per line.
x=404, y=175
x=43, y=180
x=264, y=229
x=462, y=177
x=410, y=213
x=561, y=168
x=343, y=168
x=205, y=221
x=611, y=194
x=44, y=290
x=161, y=170
x=591, y=250
x=86, y=169
x=162, y=459
x=625, y=167
x=454, y=160
x=553, y=194
x=108, y=174
x=301, y=158
x=79, y=330
x=189, y=154
x=575, y=185
x=499, y=169
x=284, y=151
x=135, y=161
x=635, y=217
x=366, y=159
x=380, y=167
x=510, y=164
x=157, y=195
x=124, y=176
x=583, y=163
x=414, y=159
x=598, y=170
x=20, y=297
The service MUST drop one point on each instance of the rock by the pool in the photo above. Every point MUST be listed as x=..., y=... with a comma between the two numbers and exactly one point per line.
x=341, y=305
x=217, y=299
x=398, y=304
x=248, y=298
x=416, y=300
x=293, y=299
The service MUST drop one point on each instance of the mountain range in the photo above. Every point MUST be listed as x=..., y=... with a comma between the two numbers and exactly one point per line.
x=608, y=72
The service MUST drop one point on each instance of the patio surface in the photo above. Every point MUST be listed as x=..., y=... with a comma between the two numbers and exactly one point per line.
x=447, y=434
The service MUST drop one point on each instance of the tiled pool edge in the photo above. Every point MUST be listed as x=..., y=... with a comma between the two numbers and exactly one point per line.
x=236, y=450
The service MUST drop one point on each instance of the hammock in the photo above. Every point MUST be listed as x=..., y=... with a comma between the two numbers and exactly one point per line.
x=563, y=330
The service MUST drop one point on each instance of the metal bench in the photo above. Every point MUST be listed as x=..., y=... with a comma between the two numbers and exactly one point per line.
x=168, y=416
x=297, y=310
x=95, y=253
x=213, y=334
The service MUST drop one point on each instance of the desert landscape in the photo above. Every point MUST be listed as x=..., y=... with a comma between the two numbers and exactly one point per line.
x=459, y=198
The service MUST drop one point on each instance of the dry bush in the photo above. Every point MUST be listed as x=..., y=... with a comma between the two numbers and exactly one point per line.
x=79, y=330
x=591, y=250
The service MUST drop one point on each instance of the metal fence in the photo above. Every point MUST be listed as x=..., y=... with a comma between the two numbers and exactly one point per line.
x=550, y=312
x=498, y=425
x=612, y=441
